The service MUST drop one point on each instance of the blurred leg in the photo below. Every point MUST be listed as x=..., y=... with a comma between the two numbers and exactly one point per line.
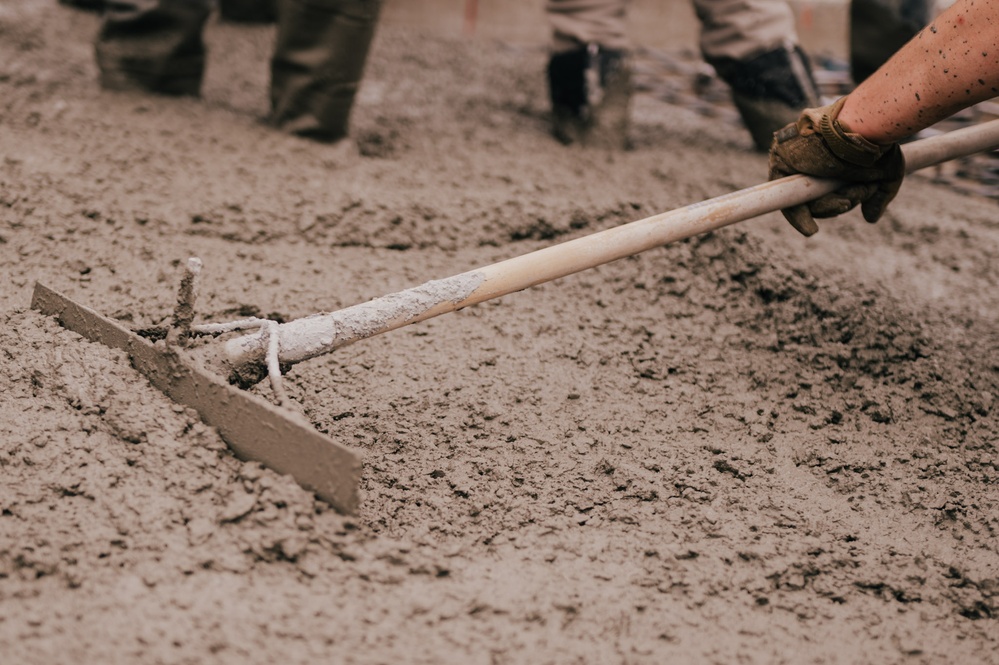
x=318, y=62
x=87, y=5
x=878, y=28
x=589, y=78
x=753, y=45
x=248, y=11
x=153, y=45
x=576, y=22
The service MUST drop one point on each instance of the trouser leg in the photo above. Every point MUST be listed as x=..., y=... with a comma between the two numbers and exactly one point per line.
x=739, y=29
x=153, y=45
x=318, y=61
x=248, y=11
x=753, y=45
x=577, y=22
x=878, y=28
x=589, y=77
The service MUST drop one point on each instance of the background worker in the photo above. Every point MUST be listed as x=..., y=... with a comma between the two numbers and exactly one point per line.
x=951, y=64
x=752, y=44
x=316, y=67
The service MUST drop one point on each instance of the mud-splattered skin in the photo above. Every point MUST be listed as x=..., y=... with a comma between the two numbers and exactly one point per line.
x=953, y=63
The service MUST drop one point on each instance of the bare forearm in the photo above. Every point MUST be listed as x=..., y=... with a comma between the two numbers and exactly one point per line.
x=952, y=64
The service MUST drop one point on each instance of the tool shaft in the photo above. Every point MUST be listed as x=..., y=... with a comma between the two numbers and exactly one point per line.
x=322, y=333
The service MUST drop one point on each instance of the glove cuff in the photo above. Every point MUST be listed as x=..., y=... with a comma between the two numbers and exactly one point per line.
x=848, y=146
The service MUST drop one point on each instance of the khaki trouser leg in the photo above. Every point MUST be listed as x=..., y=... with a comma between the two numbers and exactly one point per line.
x=319, y=57
x=739, y=29
x=576, y=22
x=153, y=45
x=729, y=28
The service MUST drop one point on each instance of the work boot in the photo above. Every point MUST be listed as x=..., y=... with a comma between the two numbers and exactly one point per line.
x=153, y=46
x=319, y=57
x=769, y=90
x=590, y=89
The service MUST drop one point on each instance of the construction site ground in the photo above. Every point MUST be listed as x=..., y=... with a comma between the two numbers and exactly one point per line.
x=748, y=447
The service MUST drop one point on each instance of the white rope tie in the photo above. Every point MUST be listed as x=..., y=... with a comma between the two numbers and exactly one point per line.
x=270, y=329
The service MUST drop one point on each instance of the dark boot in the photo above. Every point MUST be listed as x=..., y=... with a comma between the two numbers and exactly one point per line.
x=567, y=89
x=319, y=57
x=590, y=90
x=770, y=90
x=153, y=45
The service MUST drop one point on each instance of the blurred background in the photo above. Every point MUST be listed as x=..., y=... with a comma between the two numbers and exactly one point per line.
x=823, y=24
x=667, y=63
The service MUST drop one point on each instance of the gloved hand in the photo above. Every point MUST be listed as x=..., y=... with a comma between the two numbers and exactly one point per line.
x=819, y=145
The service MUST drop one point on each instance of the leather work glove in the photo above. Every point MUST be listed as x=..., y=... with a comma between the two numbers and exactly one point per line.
x=819, y=145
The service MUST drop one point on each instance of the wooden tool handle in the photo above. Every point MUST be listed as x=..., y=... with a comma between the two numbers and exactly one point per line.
x=321, y=333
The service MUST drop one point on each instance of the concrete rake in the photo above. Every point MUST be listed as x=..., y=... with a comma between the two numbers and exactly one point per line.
x=287, y=443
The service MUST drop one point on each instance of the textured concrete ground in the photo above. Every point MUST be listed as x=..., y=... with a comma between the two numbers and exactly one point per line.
x=747, y=447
